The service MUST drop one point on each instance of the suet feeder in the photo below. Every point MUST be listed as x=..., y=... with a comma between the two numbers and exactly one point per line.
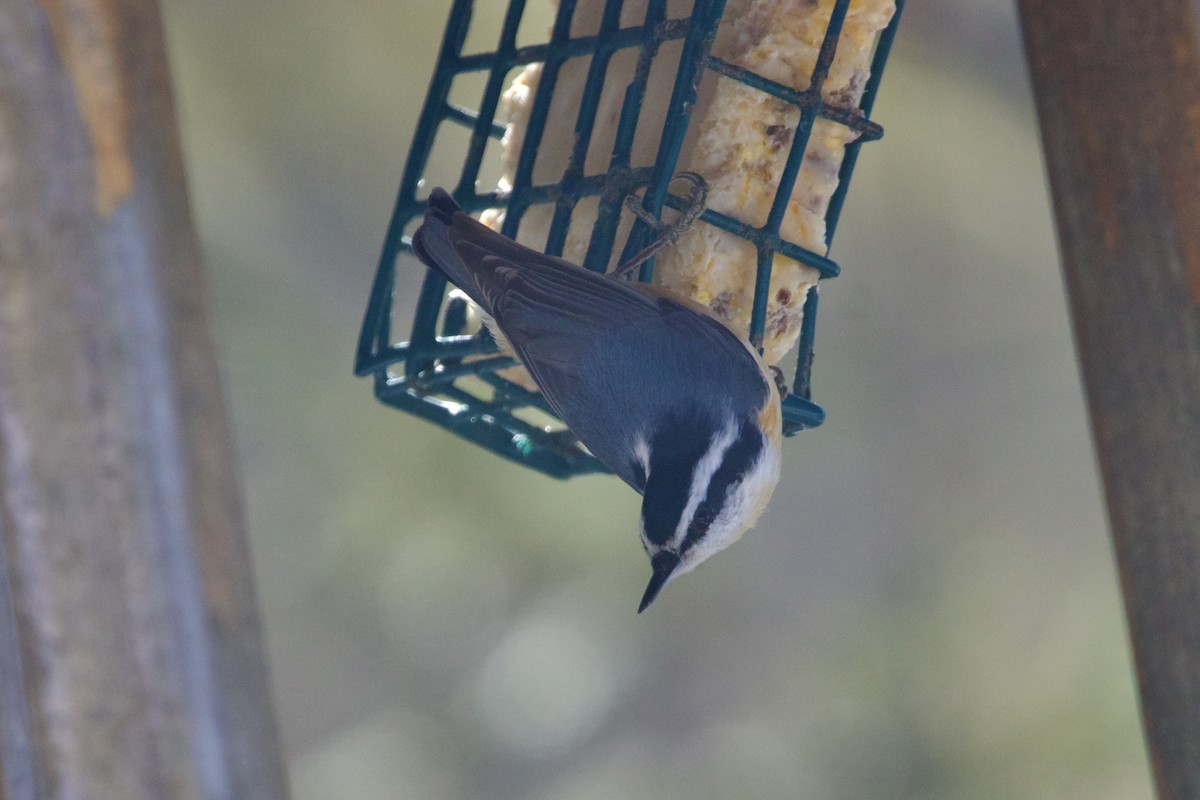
x=450, y=376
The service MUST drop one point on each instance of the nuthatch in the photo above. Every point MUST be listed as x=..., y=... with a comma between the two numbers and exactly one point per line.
x=659, y=390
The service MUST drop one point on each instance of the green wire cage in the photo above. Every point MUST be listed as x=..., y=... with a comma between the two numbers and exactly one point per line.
x=450, y=377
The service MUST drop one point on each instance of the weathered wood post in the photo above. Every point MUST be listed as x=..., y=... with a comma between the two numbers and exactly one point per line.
x=1118, y=95
x=131, y=663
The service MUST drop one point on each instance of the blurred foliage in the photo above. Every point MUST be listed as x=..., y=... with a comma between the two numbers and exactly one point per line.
x=929, y=608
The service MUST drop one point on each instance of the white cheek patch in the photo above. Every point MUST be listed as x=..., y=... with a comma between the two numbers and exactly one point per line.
x=702, y=477
x=641, y=453
x=741, y=510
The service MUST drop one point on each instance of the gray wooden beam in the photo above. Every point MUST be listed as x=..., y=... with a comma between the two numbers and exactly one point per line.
x=131, y=662
x=1118, y=95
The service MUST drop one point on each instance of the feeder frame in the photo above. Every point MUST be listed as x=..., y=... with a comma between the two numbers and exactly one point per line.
x=423, y=375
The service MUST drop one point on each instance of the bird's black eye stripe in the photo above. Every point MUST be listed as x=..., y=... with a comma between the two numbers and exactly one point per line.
x=738, y=460
x=701, y=520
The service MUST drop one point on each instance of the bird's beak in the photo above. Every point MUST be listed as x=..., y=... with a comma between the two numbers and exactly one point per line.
x=663, y=564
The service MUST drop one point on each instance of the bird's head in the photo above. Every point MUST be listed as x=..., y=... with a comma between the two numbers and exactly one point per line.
x=706, y=480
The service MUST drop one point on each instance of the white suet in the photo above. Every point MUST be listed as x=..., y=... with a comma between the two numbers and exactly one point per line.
x=739, y=141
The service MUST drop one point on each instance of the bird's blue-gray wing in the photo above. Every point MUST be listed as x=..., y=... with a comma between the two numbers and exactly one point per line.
x=603, y=351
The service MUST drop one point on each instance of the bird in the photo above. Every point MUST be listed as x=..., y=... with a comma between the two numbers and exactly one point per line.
x=659, y=389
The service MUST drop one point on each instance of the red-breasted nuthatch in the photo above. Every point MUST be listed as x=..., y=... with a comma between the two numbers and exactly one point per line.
x=655, y=386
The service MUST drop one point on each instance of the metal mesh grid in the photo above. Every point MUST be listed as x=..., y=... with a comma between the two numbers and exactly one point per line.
x=450, y=377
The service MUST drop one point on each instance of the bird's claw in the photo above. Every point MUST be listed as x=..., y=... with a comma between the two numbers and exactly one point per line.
x=667, y=234
x=780, y=382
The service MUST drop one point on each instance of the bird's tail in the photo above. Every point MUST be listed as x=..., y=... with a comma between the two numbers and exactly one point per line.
x=432, y=244
x=442, y=206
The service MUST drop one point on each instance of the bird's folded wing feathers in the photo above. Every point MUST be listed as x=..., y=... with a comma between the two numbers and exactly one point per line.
x=554, y=313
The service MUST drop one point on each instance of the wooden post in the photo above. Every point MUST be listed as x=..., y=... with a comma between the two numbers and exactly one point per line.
x=130, y=658
x=1118, y=95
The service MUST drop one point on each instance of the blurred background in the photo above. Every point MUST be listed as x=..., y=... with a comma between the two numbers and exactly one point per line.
x=928, y=609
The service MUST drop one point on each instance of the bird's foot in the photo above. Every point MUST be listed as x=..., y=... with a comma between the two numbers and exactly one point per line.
x=780, y=382
x=667, y=234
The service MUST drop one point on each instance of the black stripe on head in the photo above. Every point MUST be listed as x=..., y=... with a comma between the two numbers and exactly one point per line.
x=680, y=441
x=736, y=463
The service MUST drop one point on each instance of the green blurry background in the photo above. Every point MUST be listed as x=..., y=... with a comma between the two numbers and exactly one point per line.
x=927, y=610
